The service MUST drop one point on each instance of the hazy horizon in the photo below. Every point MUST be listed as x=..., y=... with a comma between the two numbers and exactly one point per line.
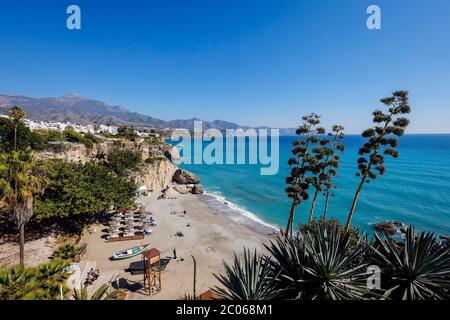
x=210, y=120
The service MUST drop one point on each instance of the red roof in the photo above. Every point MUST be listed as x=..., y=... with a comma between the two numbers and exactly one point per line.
x=209, y=295
x=153, y=252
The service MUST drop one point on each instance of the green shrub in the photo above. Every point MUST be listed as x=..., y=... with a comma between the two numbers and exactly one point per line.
x=71, y=135
x=87, y=139
x=127, y=133
x=81, y=191
x=122, y=160
x=65, y=252
x=92, y=138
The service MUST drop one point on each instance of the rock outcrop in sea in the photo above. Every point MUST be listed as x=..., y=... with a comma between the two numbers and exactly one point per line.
x=184, y=177
x=390, y=228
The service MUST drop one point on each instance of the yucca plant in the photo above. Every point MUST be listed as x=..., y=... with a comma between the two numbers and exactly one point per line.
x=356, y=237
x=100, y=294
x=249, y=278
x=320, y=265
x=416, y=269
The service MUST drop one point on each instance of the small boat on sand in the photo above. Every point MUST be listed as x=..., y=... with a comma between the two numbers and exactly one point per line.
x=131, y=252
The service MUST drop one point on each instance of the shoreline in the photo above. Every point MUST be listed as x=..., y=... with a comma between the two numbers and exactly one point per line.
x=208, y=235
x=234, y=212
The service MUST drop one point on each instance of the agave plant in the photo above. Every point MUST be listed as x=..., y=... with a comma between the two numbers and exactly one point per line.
x=417, y=269
x=249, y=278
x=320, y=265
x=100, y=294
x=14, y=283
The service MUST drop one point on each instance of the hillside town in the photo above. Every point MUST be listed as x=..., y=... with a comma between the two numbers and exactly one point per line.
x=90, y=128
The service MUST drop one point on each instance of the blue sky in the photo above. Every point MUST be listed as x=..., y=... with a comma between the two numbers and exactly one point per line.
x=253, y=62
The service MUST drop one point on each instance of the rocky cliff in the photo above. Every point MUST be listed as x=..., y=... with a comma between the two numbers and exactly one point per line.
x=73, y=152
x=155, y=176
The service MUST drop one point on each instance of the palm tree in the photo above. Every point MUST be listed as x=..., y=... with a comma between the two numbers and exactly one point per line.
x=52, y=278
x=381, y=140
x=416, y=269
x=249, y=278
x=41, y=283
x=21, y=177
x=16, y=114
x=100, y=294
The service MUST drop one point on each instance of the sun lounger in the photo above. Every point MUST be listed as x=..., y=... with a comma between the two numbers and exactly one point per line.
x=151, y=224
x=128, y=234
x=139, y=236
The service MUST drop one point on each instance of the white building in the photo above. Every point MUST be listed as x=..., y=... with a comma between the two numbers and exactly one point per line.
x=108, y=129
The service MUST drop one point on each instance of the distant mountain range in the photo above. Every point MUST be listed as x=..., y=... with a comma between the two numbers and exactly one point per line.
x=81, y=110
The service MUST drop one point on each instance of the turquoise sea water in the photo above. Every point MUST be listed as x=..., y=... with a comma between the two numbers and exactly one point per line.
x=415, y=189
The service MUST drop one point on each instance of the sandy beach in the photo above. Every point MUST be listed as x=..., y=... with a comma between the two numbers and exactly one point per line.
x=208, y=235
